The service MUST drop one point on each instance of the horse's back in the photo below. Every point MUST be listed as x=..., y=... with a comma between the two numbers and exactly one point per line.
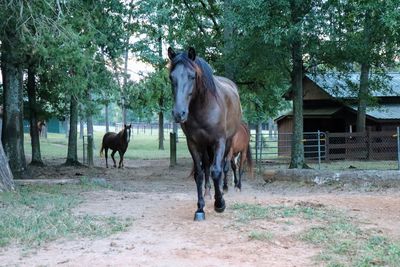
x=241, y=139
x=108, y=140
x=227, y=91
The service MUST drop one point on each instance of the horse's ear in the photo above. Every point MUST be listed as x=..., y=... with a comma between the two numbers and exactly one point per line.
x=171, y=53
x=192, y=53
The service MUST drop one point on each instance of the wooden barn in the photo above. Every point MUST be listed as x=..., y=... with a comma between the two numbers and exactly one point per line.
x=329, y=105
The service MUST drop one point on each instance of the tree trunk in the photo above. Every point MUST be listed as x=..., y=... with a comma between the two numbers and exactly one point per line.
x=297, y=157
x=228, y=44
x=81, y=128
x=34, y=130
x=72, y=156
x=66, y=126
x=89, y=127
x=362, y=98
x=161, y=130
x=107, y=119
x=270, y=128
x=13, y=131
x=6, y=177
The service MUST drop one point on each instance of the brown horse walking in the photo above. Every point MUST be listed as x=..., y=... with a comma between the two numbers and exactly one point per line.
x=208, y=109
x=116, y=142
x=240, y=145
x=40, y=125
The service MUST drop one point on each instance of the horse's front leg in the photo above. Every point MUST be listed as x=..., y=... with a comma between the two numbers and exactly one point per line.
x=216, y=174
x=121, y=158
x=198, y=176
x=206, y=169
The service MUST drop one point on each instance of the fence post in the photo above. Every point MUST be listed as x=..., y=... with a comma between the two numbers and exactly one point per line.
x=398, y=147
x=83, y=149
x=172, y=150
x=327, y=146
x=319, y=150
x=369, y=141
x=90, y=150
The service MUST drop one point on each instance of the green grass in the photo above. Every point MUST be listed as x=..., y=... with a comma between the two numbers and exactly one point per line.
x=261, y=235
x=141, y=146
x=342, y=241
x=246, y=212
x=34, y=215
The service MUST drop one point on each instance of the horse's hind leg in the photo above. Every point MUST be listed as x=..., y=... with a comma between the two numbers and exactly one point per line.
x=233, y=166
x=106, y=155
x=112, y=156
x=241, y=169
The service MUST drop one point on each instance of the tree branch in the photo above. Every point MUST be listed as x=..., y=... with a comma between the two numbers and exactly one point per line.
x=194, y=17
x=211, y=16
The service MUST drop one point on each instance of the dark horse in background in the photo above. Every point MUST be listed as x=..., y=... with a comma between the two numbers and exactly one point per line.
x=116, y=142
x=208, y=109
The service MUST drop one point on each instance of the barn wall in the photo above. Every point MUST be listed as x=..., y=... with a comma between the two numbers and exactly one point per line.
x=313, y=92
x=285, y=128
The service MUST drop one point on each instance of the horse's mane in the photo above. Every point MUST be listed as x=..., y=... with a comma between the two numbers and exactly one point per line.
x=204, y=73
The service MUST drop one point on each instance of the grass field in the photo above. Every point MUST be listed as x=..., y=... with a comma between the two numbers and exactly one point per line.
x=341, y=240
x=34, y=215
x=141, y=146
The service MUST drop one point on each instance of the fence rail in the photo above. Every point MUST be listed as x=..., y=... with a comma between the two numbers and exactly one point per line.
x=325, y=147
x=369, y=150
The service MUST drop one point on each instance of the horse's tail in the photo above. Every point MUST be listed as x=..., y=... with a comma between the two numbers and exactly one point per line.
x=101, y=150
x=249, y=161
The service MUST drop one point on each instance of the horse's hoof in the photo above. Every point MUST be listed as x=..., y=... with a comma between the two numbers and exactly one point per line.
x=199, y=216
x=238, y=189
x=219, y=207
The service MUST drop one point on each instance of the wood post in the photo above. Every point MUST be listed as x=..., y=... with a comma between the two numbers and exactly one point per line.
x=172, y=145
x=90, y=150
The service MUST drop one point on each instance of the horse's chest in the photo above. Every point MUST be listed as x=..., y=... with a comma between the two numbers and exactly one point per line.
x=200, y=134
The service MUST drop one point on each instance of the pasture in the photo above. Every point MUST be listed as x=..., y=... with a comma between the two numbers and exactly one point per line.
x=142, y=215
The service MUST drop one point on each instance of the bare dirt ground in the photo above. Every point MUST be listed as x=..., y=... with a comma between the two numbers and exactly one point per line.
x=162, y=202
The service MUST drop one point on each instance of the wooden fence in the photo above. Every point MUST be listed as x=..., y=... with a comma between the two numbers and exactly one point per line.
x=368, y=145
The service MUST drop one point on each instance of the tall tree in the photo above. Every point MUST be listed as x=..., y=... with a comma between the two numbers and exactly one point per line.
x=12, y=131
x=6, y=177
x=33, y=120
x=363, y=37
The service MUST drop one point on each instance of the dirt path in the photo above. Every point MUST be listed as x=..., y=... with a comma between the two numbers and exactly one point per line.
x=162, y=202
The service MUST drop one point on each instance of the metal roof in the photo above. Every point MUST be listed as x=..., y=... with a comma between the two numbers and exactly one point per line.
x=383, y=112
x=313, y=112
x=346, y=85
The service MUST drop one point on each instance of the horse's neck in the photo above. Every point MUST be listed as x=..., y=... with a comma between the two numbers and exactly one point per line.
x=123, y=136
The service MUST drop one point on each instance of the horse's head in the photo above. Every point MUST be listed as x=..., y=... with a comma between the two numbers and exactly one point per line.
x=183, y=74
x=127, y=131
